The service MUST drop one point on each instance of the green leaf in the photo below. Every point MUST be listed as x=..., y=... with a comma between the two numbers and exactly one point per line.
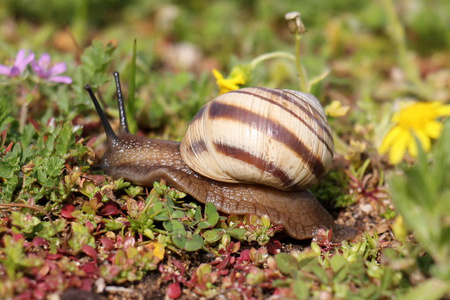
x=198, y=213
x=25, y=221
x=195, y=243
x=301, y=290
x=5, y=114
x=113, y=224
x=338, y=262
x=9, y=168
x=10, y=163
x=287, y=264
x=213, y=235
x=204, y=224
x=431, y=289
x=95, y=61
x=28, y=135
x=211, y=214
x=237, y=233
x=48, y=170
x=80, y=237
x=51, y=228
x=63, y=140
x=179, y=238
x=174, y=225
x=178, y=214
x=158, y=211
x=320, y=273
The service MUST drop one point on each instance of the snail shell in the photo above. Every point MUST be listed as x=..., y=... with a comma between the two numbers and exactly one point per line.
x=277, y=138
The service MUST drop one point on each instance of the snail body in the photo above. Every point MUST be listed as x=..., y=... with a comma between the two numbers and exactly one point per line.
x=259, y=182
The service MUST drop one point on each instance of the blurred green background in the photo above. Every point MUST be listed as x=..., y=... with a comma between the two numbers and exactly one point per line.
x=180, y=42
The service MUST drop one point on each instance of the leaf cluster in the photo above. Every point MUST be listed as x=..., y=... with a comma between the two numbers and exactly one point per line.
x=32, y=171
x=421, y=197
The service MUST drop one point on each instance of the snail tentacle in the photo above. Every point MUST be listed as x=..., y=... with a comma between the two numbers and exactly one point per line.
x=111, y=135
x=122, y=113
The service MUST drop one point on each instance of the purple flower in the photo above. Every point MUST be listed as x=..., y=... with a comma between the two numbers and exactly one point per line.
x=45, y=70
x=19, y=65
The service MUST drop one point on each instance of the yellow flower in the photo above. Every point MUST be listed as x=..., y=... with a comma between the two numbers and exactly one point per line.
x=415, y=121
x=355, y=150
x=157, y=249
x=335, y=109
x=399, y=229
x=231, y=83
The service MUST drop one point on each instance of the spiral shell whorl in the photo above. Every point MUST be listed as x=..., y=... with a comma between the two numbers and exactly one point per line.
x=278, y=138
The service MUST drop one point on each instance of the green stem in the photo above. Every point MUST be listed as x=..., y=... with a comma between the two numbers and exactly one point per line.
x=302, y=77
x=276, y=54
x=131, y=103
x=25, y=99
x=23, y=116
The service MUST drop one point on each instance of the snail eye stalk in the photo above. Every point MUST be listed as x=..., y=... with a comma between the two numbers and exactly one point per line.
x=112, y=137
x=120, y=102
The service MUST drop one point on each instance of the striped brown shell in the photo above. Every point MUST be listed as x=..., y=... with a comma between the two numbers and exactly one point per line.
x=278, y=138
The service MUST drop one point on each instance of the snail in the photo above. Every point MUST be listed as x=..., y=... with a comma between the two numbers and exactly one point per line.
x=249, y=151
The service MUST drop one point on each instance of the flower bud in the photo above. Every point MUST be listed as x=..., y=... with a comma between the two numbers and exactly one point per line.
x=295, y=22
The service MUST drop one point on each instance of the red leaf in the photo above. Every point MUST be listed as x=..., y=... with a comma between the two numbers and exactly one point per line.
x=18, y=237
x=129, y=242
x=3, y=136
x=114, y=270
x=245, y=256
x=90, y=268
x=91, y=142
x=90, y=226
x=223, y=272
x=41, y=290
x=25, y=296
x=43, y=271
x=179, y=265
x=274, y=247
x=54, y=256
x=67, y=210
x=86, y=284
x=74, y=281
x=89, y=251
x=35, y=125
x=110, y=209
x=38, y=241
x=7, y=149
x=108, y=244
x=223, y=263
x=50, y=122
x=174, y=290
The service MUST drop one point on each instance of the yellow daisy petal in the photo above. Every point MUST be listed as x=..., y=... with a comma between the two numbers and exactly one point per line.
x=390, y=138
x=424, y=140
x=443, y=110
x=433, y=129
x=238, y=79
x=398, y=148
x=412, y=148
x=228, y=84
x=217, y=75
